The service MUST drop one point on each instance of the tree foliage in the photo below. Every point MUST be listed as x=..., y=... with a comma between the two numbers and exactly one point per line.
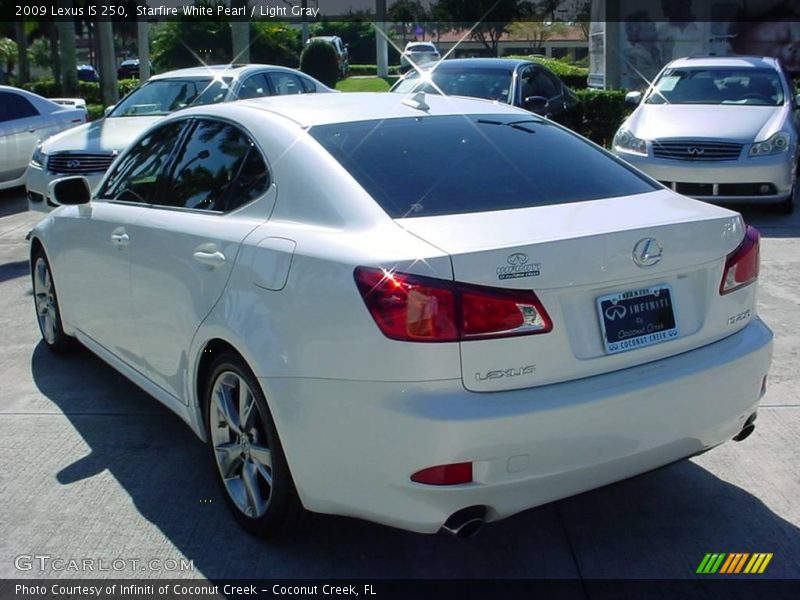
x=8, y=57
x=488, y=19
x=193, y=42
x=319, y=60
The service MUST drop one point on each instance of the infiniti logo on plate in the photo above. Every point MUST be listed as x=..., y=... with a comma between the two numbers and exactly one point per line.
x=616, y=311
x=647, y=252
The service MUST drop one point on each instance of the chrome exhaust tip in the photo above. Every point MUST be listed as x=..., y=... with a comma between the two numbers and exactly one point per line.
x=465, y=523
x=749, y=427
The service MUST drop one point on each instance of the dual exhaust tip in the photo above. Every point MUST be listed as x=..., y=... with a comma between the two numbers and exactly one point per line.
x=465, y=523
x=749, y=427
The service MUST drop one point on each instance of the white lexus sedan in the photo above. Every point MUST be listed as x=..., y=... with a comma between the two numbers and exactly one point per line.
x=429, y=312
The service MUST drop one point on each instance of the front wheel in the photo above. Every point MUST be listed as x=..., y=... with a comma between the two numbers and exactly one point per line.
x=45, y=298
x=787, y=206
x=247, y=452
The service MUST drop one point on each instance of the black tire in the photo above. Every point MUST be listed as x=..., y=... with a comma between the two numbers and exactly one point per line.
x=786, y=207
x=45, y=303
x=249, y=478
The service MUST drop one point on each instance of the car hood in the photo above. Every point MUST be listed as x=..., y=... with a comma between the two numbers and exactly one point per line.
x=697, y=121
x=101, y=136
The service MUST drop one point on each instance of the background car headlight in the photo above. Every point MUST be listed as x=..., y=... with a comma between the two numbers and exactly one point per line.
x=774, y=145
x=39, y=158
x=627, y=142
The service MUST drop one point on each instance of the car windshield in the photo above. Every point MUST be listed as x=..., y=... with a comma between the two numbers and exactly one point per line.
x=420, y=48
x=162, y=96
x=475, y=83
x=759, y=87
x=438, y=165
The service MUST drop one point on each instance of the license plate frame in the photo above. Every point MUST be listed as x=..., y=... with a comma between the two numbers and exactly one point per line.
x=637, y=318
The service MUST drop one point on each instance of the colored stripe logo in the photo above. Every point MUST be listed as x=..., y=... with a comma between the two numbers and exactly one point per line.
x=733, y=563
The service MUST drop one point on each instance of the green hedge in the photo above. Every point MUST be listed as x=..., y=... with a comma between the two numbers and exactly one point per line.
x=371, y=70
x=95, y=111
x=88, y=90
x=318, y=59
x=601, y=114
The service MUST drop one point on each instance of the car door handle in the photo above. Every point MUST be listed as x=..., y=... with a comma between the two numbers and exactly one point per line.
x=212, y=259
x=120, y=239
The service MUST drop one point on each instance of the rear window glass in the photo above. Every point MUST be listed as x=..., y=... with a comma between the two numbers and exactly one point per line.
x=424, y=166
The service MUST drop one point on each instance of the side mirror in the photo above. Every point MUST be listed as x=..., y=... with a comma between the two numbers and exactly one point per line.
x=535, y=104
x=108, y=110
x=633, y=98
x=68, y=191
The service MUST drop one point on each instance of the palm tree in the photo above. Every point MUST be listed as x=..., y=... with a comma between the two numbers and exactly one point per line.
x=24, y=70
x=108, y=63
x=240, y=35
x=66, y=50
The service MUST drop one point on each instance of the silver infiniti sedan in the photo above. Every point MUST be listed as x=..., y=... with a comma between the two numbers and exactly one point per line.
x=25, y=119
x=721, y=129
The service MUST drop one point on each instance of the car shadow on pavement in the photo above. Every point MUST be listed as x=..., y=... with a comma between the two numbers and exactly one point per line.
x=658, y=525
x=13, y=270
x=12, y=202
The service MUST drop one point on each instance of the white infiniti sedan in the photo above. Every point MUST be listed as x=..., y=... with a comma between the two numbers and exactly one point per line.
x=427, y=312
x=25, y=119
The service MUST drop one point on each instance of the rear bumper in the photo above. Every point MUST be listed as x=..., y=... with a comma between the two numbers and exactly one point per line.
x=777, y=171
x=352, y=446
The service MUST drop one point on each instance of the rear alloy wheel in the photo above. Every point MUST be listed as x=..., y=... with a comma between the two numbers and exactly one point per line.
x=247, y=452
x=48, y=314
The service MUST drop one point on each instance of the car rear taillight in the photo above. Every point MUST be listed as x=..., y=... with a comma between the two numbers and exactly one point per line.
x=741, y=266
x=453, y=474
x=424, y=309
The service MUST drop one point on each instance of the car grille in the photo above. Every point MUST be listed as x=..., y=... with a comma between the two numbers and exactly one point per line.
x=696, y=150
x=79, y=164
x=722, y=189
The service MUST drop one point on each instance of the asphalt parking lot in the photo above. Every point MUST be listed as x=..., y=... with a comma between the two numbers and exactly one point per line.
x=95, y=468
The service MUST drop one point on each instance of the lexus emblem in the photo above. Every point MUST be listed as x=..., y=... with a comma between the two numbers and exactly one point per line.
x=74, y=164
x=694, y=151
x=647, y=252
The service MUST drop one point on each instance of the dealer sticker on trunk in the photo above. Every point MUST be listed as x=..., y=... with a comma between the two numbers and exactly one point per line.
x=637, y=318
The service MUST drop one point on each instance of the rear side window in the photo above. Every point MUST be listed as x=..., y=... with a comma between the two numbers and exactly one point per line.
x=285, y=83
x=14, y=106
x=441, y=165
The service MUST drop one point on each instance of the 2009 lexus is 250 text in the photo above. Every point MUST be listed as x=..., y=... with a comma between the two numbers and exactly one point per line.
x=425, y=311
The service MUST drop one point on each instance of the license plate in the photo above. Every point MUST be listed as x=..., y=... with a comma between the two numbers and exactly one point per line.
x=637, y=318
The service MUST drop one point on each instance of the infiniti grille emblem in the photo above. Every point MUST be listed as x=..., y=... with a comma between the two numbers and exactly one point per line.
x=647, y=252
x=74, y=164
x=695, y=151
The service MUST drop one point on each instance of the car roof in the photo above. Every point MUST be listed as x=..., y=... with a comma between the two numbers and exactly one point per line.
x=501, y=64
x=234, y=71
x=755, y=62
x=319, y=109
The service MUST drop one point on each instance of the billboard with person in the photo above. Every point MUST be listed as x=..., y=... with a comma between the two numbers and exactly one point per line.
x=630, y=40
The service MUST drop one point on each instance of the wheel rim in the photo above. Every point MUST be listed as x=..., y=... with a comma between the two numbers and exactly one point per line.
x=44, y=296
x=240, y=444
